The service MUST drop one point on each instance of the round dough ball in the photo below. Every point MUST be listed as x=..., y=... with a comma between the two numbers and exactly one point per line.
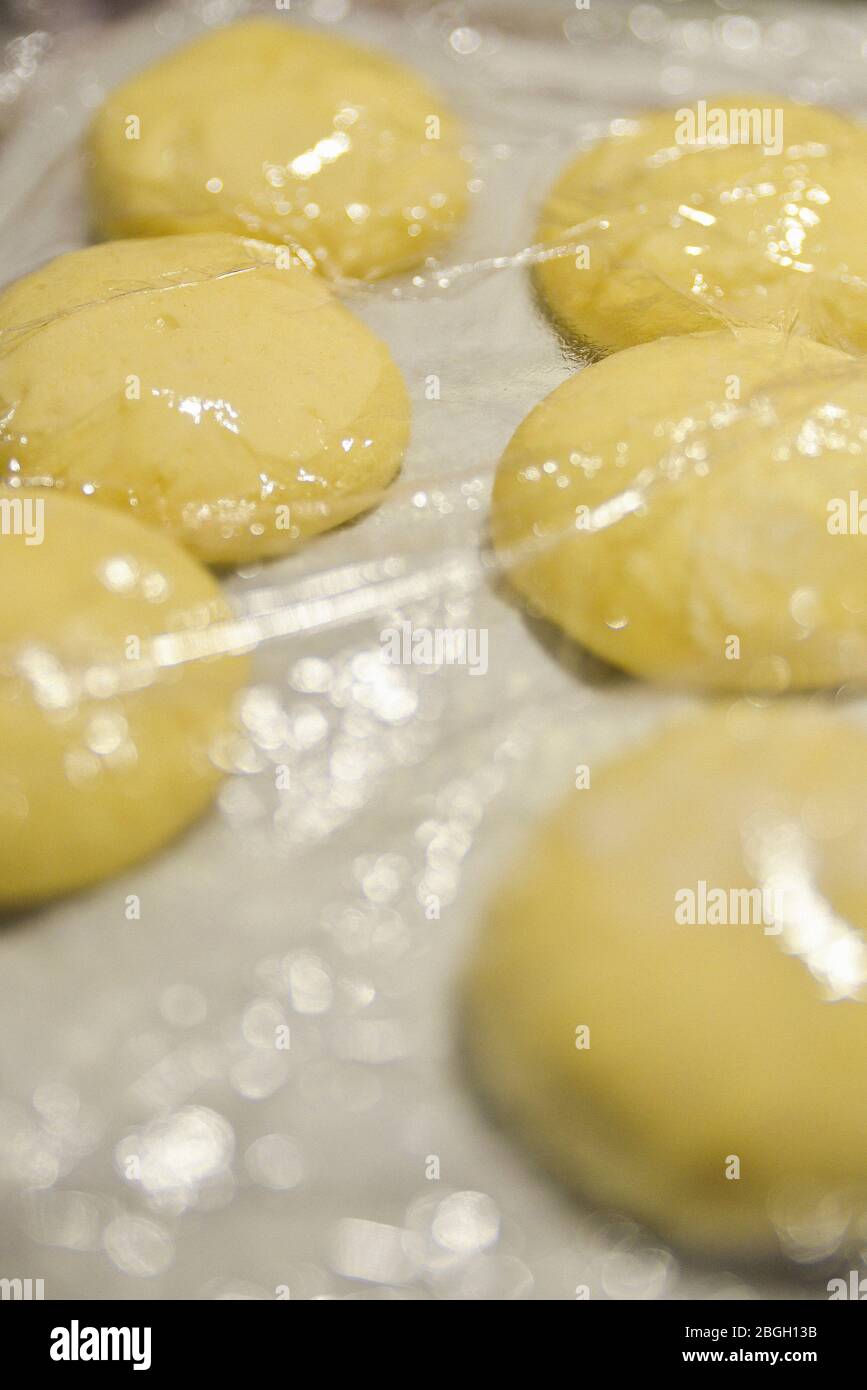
x=213, y=385
x=676, y=508
x=107, y=736
x=286, y=135
x=736, y=1035
x=685, y=237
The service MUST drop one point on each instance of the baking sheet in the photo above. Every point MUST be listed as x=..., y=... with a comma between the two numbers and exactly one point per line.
x=154, y=1142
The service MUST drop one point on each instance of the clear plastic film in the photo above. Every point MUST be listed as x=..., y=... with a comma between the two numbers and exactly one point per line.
x=262, y=1014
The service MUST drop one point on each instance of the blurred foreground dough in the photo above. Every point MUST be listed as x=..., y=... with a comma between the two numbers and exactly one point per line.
x=707, y=1043
x=106, y=742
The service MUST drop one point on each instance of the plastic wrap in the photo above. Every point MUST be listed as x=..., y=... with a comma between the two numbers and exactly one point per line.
x=155, y=1141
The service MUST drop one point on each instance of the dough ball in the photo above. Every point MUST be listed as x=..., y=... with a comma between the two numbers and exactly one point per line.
x=684, y=510
x=685, y=237
x=286, y=135
x=106, y=739
x=723, y=1022
x=213, y=385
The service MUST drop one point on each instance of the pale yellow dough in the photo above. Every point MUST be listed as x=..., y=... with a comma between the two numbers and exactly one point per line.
x=674, y=508
x=210, y=384
x=286, y=135
x=687, y=237
x=707, y=1043
x=107, y=742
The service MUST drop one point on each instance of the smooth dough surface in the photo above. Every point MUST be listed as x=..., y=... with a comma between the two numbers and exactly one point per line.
x=210, y=384
x=687, y=237
x=287, y=135
x=674, y=508
x=707, y=1042
x=106, y=748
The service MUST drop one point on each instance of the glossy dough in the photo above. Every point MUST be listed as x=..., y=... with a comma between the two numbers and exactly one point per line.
x=210, y=384
x=706, y=1042
x=686, y=238
x=286, y=135
x=668, y=507
x=106, y=751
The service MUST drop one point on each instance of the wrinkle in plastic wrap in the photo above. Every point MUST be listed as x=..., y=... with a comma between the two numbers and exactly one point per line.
x=154, y=1141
